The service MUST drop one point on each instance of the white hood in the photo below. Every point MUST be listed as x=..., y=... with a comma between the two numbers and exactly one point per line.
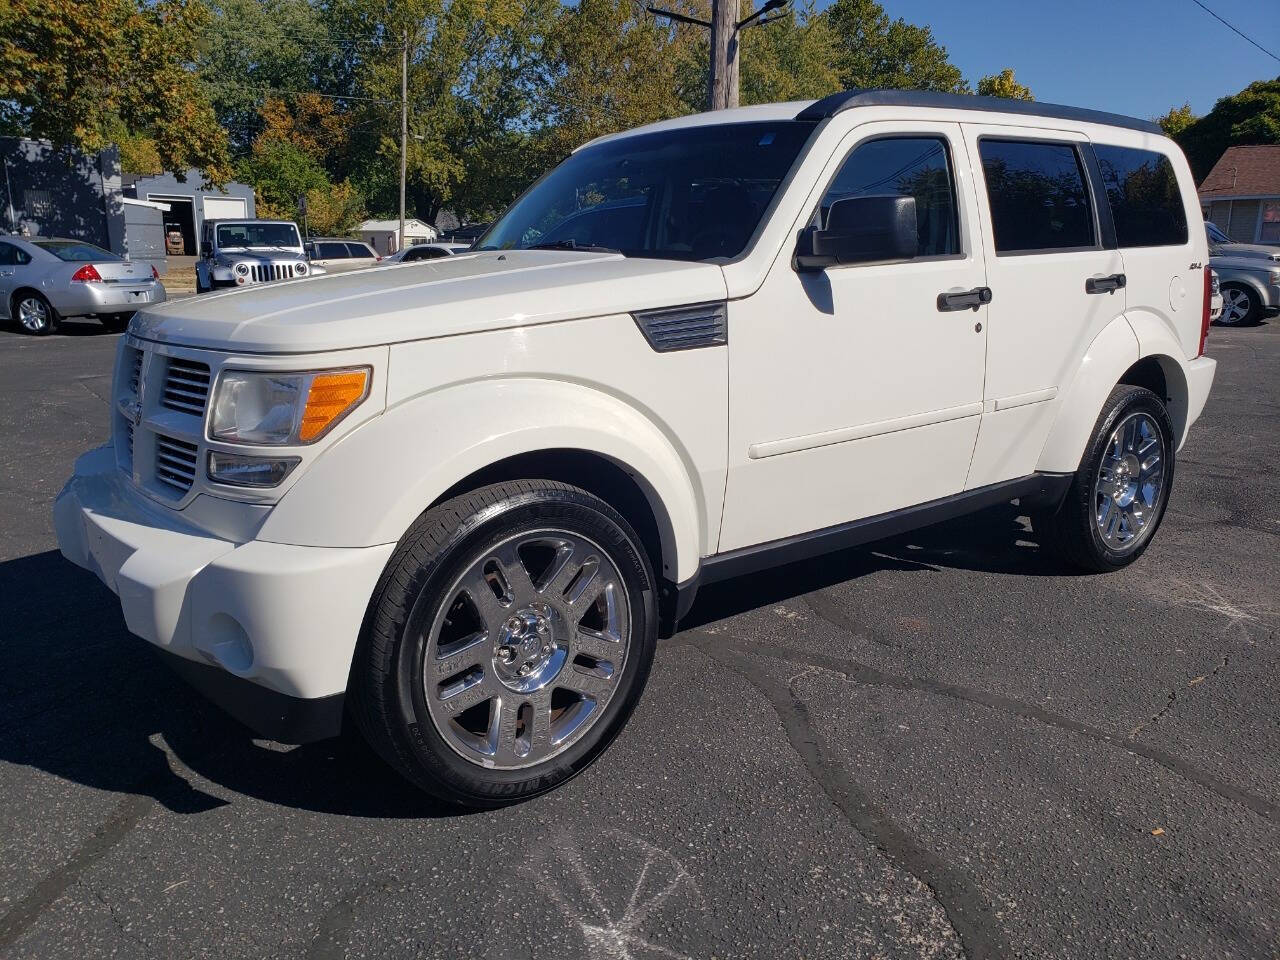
x=468, y=293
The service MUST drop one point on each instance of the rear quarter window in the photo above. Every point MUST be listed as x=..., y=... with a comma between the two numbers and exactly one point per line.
x=1039, y=201
x=1146, y=203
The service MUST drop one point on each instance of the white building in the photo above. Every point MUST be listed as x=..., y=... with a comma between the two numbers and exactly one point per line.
x=383, y=235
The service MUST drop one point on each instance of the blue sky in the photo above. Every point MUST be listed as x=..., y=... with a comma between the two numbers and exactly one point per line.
x=1138, y=57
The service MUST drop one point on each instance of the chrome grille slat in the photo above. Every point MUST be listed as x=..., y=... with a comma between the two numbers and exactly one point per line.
x=186, y=386
x=175, y=463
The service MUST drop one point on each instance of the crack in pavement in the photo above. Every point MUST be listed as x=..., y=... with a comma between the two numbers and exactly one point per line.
x=1173, y=697
x=970, y=915
x=869, y=676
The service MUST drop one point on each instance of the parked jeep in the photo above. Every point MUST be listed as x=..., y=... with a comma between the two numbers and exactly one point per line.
x=459, y=501
x=238, y=253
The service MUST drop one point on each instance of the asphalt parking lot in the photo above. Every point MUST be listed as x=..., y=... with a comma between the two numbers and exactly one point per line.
x=942, y=745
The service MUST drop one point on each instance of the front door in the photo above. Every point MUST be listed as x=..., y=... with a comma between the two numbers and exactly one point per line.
x=1054, y=282
x=12, y=262
x=853, y=391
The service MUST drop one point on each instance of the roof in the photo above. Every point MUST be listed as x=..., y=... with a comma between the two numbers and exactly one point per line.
x=409, y=223
x=814, y=110
x=839, y=102
x=153, y=204
x=1245, y=172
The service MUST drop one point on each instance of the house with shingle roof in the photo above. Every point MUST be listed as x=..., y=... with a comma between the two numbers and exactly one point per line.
x=1241, y=194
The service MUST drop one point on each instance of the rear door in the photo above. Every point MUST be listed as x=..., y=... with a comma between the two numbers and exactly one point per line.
x=1056, y=280
x=361, y=255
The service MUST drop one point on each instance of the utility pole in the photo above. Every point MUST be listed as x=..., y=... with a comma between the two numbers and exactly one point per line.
x=404, y=129
x=724, y=25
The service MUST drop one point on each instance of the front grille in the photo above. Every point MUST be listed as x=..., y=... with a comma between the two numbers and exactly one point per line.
x=186, y=386
x=175, y=463
x=133, y=360
x=266, y=272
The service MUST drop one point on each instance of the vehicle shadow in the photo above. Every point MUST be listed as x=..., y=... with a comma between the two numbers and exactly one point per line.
x=997, y=540
x=84, y=700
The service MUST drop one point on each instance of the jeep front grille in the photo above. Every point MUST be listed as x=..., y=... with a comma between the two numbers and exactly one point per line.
x=186, y=386
x=175, y=463
x=266, y=272
x=133, y=361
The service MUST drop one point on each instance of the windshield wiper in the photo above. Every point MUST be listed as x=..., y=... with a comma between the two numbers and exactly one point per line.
x=573, y=245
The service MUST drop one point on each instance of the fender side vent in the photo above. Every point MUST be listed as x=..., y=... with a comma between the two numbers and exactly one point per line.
x=684, y=328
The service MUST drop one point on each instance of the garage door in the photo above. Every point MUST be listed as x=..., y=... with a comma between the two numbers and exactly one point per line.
x=224, y=208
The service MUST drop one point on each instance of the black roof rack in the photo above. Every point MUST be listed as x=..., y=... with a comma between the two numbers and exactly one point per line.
x=839, y=102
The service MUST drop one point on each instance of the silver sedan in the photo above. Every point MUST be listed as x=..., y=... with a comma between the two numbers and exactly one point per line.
x=43, y=279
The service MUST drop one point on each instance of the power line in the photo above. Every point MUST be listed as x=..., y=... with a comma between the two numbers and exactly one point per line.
x=1236, y=30
x=300, y=93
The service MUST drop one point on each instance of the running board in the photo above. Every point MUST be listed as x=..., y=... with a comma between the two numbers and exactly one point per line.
x=1043, y=488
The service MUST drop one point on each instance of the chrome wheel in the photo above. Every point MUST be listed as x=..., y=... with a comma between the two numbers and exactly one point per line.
x=527, y=649
x=1130, y=480
x=1236, y=306
x=33, y=314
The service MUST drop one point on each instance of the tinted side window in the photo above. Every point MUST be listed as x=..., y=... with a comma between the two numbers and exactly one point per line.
x=1038, y=196
x=917, y=167
x=426, y=253
x=11, y=256
x=332, y=251
x=359, y=250
x=1145, y=202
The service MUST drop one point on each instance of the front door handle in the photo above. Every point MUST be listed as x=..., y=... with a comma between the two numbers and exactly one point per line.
x=964, y=299
x=1109, y=284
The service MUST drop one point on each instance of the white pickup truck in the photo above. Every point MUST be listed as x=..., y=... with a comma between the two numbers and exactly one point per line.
x=457, y=501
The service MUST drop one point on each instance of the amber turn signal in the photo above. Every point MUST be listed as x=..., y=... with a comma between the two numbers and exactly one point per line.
x=331, y=397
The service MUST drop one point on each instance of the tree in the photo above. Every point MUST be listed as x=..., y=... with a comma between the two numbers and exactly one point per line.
x=1251, y=116
x=791, y=58
x=280, y=173
x=1004, y=85
x=1177, y=120
x=874, y=51
x=74, y=73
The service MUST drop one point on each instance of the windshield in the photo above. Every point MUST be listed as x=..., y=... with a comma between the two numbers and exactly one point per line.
x=696, y=193
x=258, y=235
x=75, y=251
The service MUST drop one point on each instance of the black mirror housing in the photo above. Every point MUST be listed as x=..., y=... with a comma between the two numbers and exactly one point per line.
x=861, y=230
x=206, y=248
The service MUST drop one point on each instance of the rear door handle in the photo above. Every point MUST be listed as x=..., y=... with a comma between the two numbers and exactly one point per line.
x=964, y=299
x=1109, y=284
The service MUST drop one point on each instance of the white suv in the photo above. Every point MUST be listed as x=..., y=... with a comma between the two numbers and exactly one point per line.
x=458, y=501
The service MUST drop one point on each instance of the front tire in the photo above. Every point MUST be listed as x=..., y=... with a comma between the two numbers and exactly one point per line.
x=1119, y=493
x=1241, y=306
x=507, y=642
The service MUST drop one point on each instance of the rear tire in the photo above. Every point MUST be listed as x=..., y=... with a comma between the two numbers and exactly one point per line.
x=1119, y=493
x=507, y=642
x=1241, y=306
x=33, y=313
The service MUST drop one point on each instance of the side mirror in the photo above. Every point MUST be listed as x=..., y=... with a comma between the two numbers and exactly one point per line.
x=206, y=248
x=861, y=230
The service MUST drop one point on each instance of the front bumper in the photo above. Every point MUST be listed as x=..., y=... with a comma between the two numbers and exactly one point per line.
x=266, y=630
x=79, y=299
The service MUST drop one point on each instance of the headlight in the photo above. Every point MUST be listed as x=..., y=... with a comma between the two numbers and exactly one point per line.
x=301, y=268
x=242, y=268
x=275, y=409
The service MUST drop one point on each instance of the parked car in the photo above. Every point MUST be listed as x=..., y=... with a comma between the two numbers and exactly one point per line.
x=43, y=279
x=238, y=253
x=336, y=255
x=426, y=251
x=462, y=505
x=1249, y=274
x=465, y=234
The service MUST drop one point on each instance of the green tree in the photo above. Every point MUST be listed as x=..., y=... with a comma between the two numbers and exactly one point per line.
x=1004, y=85
x=793, y=57
x=280, y=172
x=1177, y=120
x=76, y=73
x=253, y=49
x=873, y=51
x=1251, y=116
